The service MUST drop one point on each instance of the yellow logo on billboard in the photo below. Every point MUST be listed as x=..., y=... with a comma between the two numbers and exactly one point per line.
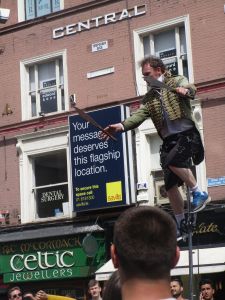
x=114, y=191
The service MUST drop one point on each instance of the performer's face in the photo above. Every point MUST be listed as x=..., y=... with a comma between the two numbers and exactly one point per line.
x=147, y=70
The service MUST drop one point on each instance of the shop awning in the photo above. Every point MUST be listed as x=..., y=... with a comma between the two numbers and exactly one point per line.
x=105, y=271
x=208, y=260
x=46, y=232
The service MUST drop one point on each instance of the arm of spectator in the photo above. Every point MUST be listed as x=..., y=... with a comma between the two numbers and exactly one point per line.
x=56, y=297
x=41, y=295
x=201, y=297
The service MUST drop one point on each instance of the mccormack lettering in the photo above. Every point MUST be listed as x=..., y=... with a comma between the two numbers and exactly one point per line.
x=41, y=246
x=98, y=21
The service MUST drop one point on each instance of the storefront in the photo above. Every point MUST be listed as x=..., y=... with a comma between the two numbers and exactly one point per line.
x=60, y=264
x=208, y=251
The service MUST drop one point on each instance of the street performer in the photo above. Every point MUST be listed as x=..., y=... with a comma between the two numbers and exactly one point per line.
x=171, y=114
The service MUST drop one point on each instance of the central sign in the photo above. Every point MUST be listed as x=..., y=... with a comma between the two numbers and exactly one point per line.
x=98, y=21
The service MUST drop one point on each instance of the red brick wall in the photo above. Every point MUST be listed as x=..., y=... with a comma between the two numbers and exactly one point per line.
x=9, y=178
x=13, y=17
x=207, y=22
x=214, y=137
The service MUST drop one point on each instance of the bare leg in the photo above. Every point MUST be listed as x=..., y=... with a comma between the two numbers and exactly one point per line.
x=185, y=174
x=176, y=200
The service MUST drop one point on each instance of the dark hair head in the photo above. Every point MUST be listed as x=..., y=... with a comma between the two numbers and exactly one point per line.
x=92, y=283
x=177, y=279
x=13, y=289
x=154, y=62
x=206, y=281
x=112, y=290
x=145, y=243
x=28, y=295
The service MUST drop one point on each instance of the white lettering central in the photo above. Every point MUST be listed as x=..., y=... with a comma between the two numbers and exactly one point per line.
x=97, y=21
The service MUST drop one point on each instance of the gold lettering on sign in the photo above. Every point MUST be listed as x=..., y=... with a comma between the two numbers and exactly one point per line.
x=8, y=249
x=51, y=245
x=203, y=228
x=57, y=244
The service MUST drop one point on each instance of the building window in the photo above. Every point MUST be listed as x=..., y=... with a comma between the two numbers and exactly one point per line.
x=45, y=178
x=31, y=9
x=169, y=40
x=51, y=184
x=43, y=86
x=170, y=46
x=38, y=8
x=46, y=89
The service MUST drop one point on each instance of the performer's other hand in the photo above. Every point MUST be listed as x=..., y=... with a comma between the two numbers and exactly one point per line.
x=112, y=129
x=181, y=90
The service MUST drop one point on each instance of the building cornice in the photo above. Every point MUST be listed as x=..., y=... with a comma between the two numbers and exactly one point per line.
x=56, y=15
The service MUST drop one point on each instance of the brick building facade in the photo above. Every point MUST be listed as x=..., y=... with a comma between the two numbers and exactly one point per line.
x=91, y=50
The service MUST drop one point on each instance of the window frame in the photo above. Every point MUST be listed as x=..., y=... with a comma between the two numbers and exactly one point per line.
x=24, y=77
x=151, y=29
x=30, y=146
x=36, y=187
x=21, y=10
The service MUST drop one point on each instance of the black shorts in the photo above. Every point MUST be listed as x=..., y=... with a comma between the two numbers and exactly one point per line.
x=179, y=150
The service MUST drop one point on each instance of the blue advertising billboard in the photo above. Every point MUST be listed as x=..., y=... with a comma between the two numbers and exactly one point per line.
x=101, y=170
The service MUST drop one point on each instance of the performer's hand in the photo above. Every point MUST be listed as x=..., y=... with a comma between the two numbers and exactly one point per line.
x=201, y=297
x=112, y=129
x=181, y=90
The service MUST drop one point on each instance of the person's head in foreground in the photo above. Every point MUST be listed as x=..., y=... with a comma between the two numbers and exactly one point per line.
x=145, y=249
x=28, y=296
x=112, y=289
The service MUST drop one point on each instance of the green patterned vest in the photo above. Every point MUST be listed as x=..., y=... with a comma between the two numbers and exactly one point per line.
x=176, y=106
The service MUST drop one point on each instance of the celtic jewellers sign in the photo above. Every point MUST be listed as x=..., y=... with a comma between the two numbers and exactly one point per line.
x=59, y=258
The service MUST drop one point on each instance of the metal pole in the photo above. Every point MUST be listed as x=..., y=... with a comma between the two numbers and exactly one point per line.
x=190, y=218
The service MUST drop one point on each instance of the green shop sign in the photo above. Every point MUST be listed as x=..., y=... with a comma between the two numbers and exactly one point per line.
x=74, y=256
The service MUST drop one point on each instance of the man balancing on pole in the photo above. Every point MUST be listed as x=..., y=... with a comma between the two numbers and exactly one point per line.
x=171, y=112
